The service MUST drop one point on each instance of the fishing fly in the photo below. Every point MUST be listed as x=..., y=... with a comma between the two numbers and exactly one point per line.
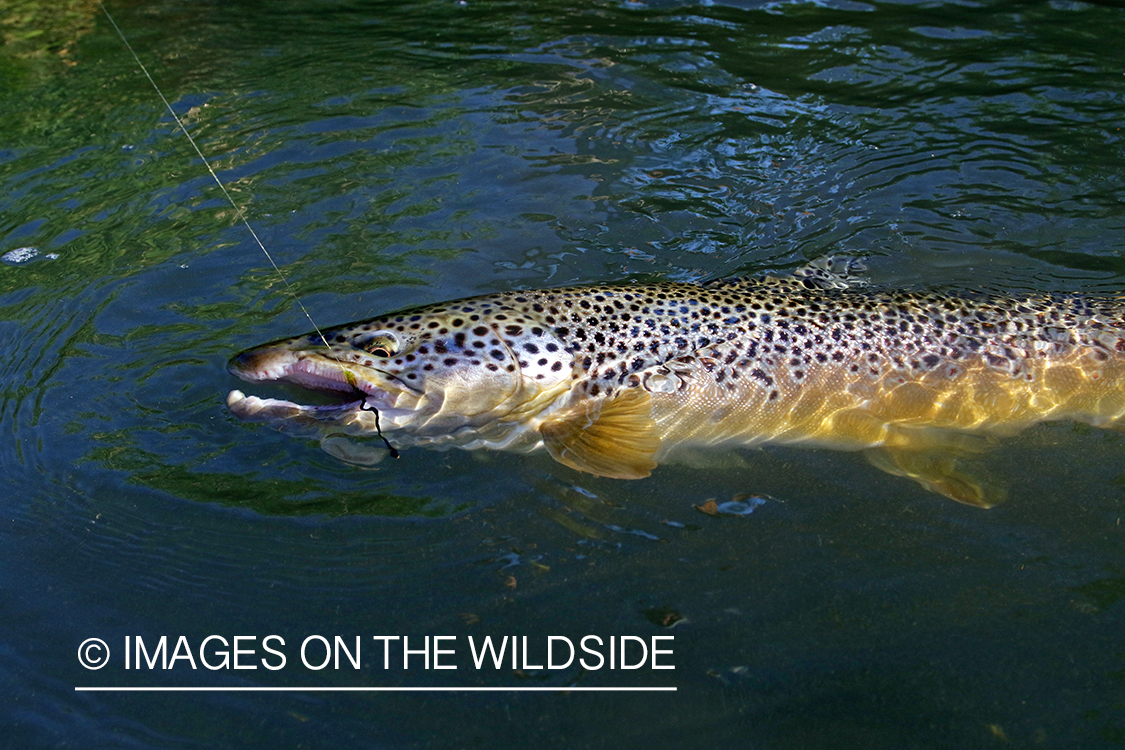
x=349, y=378
x=242, y=217
x=364, y=406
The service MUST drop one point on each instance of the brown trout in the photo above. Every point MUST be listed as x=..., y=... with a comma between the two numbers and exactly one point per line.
x=611, y=380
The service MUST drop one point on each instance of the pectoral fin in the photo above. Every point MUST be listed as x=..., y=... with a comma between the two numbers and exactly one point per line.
x=614, y=437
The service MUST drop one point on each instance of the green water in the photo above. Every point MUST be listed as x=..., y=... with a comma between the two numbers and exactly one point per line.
x=390, y=154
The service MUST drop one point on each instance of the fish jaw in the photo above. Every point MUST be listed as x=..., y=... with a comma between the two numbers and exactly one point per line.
x=364, y=391
x=255, y=409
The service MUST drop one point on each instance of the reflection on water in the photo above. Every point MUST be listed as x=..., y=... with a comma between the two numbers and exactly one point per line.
x=393, y=154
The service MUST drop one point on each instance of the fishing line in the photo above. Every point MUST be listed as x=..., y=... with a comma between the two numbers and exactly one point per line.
x=242, y=217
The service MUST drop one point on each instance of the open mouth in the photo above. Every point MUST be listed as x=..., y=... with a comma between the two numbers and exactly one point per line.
x=268, y=409
x=326, y=390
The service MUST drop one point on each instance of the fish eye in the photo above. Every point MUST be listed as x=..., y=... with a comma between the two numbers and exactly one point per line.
x=381, y=344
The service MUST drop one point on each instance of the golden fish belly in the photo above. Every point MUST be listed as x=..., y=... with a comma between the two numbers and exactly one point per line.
x=848, y=408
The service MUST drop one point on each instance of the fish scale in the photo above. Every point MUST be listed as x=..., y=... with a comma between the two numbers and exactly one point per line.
x=613, y=379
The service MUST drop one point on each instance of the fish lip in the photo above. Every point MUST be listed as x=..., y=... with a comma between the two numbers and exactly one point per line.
x=254, y=408
x=321, y=374
x=284, y=412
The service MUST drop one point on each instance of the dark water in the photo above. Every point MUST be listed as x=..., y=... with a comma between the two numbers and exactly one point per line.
x=397, y=153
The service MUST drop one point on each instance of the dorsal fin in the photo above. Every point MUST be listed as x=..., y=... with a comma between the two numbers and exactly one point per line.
x=833, y=272
x=829, y=272
x=611, y=437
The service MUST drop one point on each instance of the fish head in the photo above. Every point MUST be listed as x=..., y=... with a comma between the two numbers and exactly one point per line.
x=452, y=373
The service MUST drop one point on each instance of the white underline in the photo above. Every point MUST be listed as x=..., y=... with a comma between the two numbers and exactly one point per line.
x=159, y=689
